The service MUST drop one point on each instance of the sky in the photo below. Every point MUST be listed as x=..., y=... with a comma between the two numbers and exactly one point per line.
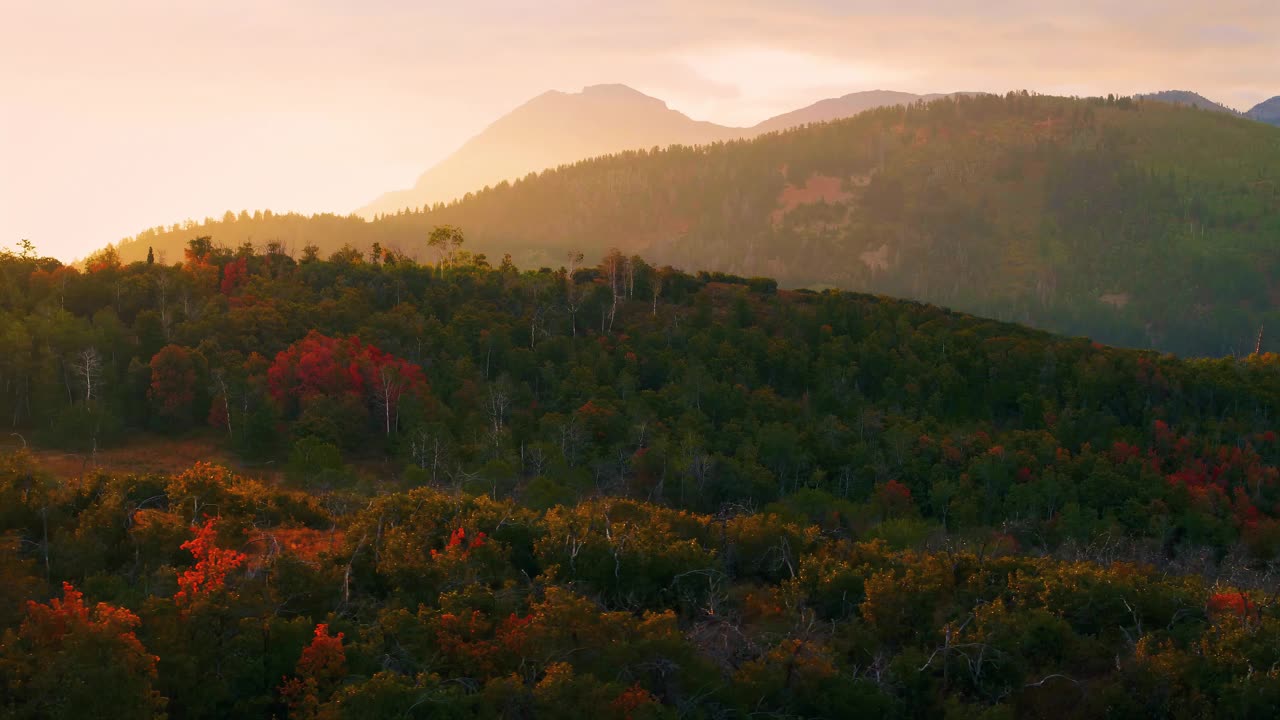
x=119, y=115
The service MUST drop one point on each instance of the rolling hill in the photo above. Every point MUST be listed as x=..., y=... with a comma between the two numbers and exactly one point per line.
x=558, y=128
x=671, y=499
x=1267, y=111
x=1189, y=99
x=841, y=107
x=1138, y=223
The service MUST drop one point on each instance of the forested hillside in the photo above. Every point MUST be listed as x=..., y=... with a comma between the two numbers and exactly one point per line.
x=616, y=490
x=1189, y=98
x=1138, y=223
x=558, y=128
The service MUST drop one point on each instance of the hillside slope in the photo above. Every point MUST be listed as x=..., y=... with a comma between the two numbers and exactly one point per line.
x=549, y=130
x=558, y=128
x=1267, y=111
x=839, y=108
x=1139, y=223
x=1189, y=99
x=689, y=496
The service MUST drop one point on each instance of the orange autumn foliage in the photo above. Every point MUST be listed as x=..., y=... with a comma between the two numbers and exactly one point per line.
x=477, y=645
x=324, y=659
x=1230, y=603
x=320, y=670
x=213, y=564
x=49, y=625
x=68, y=658
x=632, y=699
x=458, y=543
x=305, y=543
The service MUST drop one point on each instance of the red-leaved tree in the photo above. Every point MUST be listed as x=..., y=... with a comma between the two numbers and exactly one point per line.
x=234, y=275
x=320, y=670
x=319, y=365
x=173, y=382
x=67, y=657
x=213, y=564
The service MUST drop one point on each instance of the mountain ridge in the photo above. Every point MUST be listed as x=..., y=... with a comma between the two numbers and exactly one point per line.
x=1267, y=111
x=557, y=128
x=546, y=131
x=1190, y=99
x=848, y=105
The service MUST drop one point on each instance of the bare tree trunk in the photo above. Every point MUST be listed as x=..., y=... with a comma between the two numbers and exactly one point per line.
x=220, y=378
x=88, y=364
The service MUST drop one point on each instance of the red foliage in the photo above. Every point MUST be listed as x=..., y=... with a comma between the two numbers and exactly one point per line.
x=1220, y=480
x=234, y=275
x=173, y=381
x=631, y=699
x=324, y=659
x=321, y=668
x=596, y=417
x=49, y=627
x=458, y=543
x=54, y=280
x=1231, y=603
x=893, y=498
x=213, y=564
x=1122, y=452
x=477, y=645
x=302, y=542
x=322, y=365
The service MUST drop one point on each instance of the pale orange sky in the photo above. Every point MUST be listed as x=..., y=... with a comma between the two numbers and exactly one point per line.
x=117, y=115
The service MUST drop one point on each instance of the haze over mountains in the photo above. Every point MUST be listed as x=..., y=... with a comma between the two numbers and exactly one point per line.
x=552, y=129
x=1189, y=99
x=558, y=128
x=1267, y=111
x=1136, y=222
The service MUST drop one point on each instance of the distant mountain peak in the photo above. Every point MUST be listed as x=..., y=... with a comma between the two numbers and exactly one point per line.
x=1267, y=111
x=557, y=128
x=840, y=107
x=606, y=93
x=614, y=90
x=1189, y=98
x=552, y=129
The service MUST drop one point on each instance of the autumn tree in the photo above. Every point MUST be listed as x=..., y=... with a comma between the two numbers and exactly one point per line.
x=212, y=564
x=173, y=383
x=234, y=274
x=320, y=369
x=321, y=668
x=71, y=660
